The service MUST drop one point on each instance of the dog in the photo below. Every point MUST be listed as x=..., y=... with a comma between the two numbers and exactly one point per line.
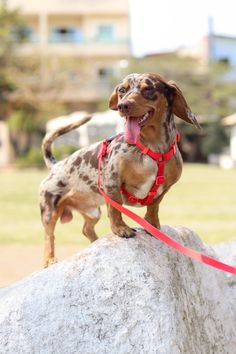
x=148, y=104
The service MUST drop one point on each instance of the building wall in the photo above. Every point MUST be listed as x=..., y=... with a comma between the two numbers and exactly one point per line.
x=92, y=33
x=197, y=51
x=224, y=48
x=212, y=47
x=83, y=19
x=71, y=6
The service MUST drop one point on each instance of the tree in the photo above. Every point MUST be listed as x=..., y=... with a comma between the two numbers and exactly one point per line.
x=11, y=32
x=21, y=88
x=216, y=138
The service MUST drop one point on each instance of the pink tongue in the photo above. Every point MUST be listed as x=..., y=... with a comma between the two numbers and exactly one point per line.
x=132, y=130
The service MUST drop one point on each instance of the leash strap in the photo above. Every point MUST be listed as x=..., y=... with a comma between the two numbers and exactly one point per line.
x=198, y=256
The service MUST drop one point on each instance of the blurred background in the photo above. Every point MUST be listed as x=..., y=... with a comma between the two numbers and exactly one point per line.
x=62, y=58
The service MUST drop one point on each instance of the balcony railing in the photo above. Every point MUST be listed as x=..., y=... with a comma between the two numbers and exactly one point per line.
x=70, y=46
x=65, y=38
x=72, y=39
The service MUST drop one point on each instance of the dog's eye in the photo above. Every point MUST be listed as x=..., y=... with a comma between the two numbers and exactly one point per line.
x=122, y=90
x=148, y=92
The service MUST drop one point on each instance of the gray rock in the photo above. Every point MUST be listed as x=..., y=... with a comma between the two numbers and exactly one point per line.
x=226, y=251
x=122, y=296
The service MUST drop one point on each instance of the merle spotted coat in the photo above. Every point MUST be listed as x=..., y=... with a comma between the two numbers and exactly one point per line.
x=148, y=103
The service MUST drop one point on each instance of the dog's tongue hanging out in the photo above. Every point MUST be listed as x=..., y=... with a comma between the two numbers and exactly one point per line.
x=132, y=130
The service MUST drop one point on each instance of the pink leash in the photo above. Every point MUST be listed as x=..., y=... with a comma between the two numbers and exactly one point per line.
x=157, y=233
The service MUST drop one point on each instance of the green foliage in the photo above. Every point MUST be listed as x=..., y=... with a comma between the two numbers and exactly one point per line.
x=216, y=138
x=62, y=151
x=11, y=32
x=26, y=130
x=34, y=157
x=24, y=101
x=23, y=120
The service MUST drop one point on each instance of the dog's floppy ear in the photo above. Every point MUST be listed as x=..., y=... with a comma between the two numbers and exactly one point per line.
x=181, y=108
x=113, y=100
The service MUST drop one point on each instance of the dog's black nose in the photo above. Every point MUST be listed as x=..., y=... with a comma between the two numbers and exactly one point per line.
x=124, y=107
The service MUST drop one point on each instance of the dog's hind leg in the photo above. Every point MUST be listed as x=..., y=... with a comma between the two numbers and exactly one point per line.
x=49, y=216
x=49, y=249
x=91, y=217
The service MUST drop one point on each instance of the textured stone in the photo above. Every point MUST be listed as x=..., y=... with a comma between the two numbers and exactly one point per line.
x=123, y=296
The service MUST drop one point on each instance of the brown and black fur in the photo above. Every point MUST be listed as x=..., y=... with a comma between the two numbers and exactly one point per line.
x=72, y=183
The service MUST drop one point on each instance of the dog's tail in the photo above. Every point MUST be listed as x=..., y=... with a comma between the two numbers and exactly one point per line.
x=51, y=136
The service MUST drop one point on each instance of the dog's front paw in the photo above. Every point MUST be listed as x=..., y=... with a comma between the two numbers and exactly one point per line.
x=124, y=231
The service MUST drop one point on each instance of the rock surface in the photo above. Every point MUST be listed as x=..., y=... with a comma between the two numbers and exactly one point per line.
x=122, y=296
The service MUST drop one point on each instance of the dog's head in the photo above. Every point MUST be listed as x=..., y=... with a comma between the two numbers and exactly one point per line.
x=143, y=99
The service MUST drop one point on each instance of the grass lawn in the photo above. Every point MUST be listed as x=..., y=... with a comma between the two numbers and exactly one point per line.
x=204, y=200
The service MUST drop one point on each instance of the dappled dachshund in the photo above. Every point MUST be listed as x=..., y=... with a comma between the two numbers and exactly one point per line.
x=129, y=173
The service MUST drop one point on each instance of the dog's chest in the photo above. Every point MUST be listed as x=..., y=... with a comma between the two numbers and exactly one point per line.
x=139, y=176
x=143, y=189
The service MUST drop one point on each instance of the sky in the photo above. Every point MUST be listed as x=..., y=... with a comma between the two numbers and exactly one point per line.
x=164, y=25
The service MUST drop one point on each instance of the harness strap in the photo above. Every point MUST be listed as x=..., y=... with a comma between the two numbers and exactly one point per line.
x=160, y=179
x=157, y=233
x=157, y=156
x=160, y=159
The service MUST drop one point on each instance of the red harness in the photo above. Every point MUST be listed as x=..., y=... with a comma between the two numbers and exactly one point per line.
x=156, y=156
x=160, y=178
x=198, y=256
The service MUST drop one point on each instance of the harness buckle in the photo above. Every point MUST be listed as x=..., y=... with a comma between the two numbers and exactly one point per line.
x=149, y=198
x=132, y=199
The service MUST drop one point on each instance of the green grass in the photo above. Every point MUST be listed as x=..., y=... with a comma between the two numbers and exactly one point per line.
x=204, y=200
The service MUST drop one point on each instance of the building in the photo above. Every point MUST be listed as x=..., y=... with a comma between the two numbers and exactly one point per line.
x=222, y=48
x=83, y=42
x=213, y=47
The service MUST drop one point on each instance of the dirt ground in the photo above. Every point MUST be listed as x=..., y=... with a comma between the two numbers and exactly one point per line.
x=18, y=261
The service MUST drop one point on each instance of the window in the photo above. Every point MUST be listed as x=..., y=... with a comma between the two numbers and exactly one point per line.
x=105, y=33
x=65, y=35
x=224, y=60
